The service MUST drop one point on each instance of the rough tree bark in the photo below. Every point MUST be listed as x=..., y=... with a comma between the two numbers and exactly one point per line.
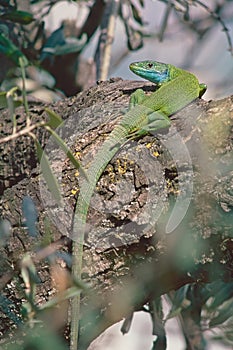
x=129, y=259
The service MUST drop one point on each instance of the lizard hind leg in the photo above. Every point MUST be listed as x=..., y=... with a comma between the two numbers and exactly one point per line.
x=155, y=120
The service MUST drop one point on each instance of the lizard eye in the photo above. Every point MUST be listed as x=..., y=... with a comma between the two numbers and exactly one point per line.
x=150, y=65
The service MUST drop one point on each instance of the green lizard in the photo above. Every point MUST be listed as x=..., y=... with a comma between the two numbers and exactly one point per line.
x=177, y=88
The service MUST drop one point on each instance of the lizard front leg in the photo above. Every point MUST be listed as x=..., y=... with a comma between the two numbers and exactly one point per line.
x=154, y=120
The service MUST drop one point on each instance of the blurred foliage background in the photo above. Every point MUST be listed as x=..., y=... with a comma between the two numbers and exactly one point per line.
x=99, y=38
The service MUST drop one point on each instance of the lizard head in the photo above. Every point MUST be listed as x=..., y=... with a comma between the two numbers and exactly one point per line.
x=154, y=71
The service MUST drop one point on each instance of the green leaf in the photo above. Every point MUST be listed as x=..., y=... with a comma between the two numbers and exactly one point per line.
x=72, y=45
x=137, y=14
x=8, y=48
x=47, y=173
x=55, y=119
x=4, y=100
x=61, y=143
x=224, y=313
x=31, y=279
x=180, y=301
x=21, y=17
x=225, y=292
x=174, y=313
x=48, y=233
x=59, y=46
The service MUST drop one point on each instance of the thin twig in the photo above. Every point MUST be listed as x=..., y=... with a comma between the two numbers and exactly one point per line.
x=24, y=94
x=103, y=52
x=22, y=132
x=10, y=102
x=165, y=20
x=219, y=19
x=213, y=14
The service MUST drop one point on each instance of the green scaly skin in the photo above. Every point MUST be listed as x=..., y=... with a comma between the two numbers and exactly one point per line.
x=177, y=88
